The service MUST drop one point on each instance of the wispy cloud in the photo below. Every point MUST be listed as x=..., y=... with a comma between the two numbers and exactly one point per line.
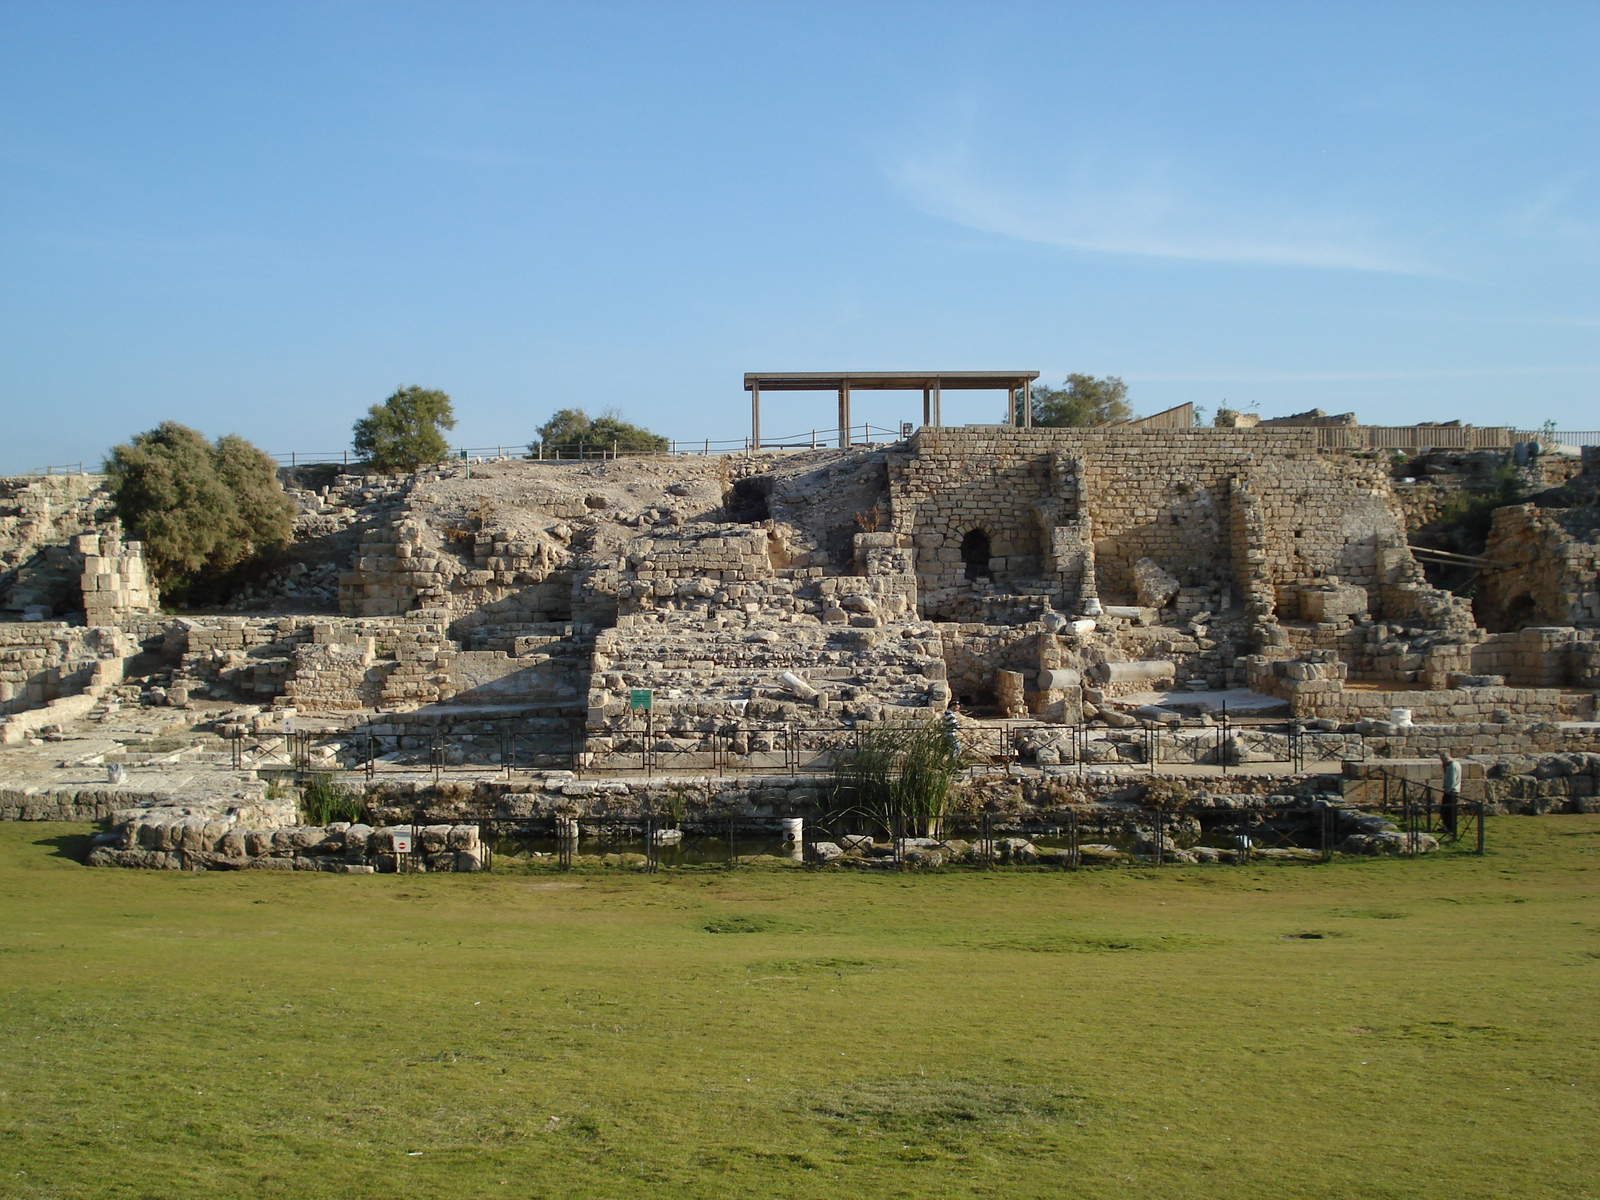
x=1143, y=210
x=1548, y=213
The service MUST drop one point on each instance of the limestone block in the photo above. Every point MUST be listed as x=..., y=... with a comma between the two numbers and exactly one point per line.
x=1155, y=587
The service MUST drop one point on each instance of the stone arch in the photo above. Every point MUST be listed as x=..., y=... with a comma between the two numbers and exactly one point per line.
x=976, y=553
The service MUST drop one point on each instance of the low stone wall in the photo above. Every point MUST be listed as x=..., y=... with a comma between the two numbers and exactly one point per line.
x=562, y=793
x=41, y=661
x=1530, y=784
x=339, y=848
x=1449, y=706
x=1540, y=737
x=68, y=804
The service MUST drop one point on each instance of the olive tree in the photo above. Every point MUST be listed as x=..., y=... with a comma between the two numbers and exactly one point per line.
x=571, y=427
x=200, y=508
x=405, y=431
x=1082, y=400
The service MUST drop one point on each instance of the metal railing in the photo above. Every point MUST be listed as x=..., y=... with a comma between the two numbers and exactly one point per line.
x=1443, y=437
x=1227, y=744
x=1426, y=808
x=359, y=751
x=586, y=451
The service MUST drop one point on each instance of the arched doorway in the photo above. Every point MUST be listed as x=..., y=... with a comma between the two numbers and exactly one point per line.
x=975, y=554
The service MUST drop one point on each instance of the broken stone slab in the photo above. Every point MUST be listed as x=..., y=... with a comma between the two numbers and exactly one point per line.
x=1155, y=587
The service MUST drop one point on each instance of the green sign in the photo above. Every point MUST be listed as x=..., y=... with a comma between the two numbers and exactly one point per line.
x=639, y=699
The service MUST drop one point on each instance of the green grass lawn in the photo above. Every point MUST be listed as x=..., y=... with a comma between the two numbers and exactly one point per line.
x=1142, y=1032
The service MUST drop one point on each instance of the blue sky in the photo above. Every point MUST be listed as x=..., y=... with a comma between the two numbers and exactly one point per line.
x=260, y=218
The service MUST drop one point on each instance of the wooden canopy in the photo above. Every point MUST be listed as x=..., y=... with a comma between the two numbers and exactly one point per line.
x=930, y=382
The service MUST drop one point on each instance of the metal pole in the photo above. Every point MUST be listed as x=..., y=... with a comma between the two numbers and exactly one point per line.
x=938, y=404
x=844, y=416
x=1223, y=745
x=1027, y=403
x=927, y=406
x=755, y=414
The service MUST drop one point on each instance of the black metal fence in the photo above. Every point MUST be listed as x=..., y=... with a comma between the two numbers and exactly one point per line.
x=984, y=841
x=507, y=748
x=1418, y=807
x=1068, y=839
x=648, y=843
x=769, y=747
x=1226, y=744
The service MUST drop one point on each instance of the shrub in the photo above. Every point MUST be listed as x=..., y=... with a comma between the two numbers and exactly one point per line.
x=324, y=801
x=200, y=509
x=1167, y=795
x=404, y=431
x=572, y=428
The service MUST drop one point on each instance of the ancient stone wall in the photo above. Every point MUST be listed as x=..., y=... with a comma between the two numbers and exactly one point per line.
x=1450, y=706
x=1545, y=568
x=115, y=583
x=40, y=515
x=45, y=661
x=1162, y=495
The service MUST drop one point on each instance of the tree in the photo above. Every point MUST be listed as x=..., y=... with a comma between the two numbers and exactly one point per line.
x=1082, y=400
x=403, y=432
x=200, y=509
x=571, y=427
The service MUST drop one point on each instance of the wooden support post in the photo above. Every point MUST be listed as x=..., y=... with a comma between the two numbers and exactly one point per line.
x=755, y=415
x=927, y=406
x=938, y=413
x=1027, y=403
x=844, y=416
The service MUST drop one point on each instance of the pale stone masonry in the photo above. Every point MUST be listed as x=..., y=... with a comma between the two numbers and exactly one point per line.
x=1044, y=575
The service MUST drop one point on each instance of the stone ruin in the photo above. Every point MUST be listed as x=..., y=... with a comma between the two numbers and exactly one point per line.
x=1088, y=596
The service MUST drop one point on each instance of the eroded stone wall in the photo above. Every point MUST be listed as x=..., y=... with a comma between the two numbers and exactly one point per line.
x=1166, y=496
